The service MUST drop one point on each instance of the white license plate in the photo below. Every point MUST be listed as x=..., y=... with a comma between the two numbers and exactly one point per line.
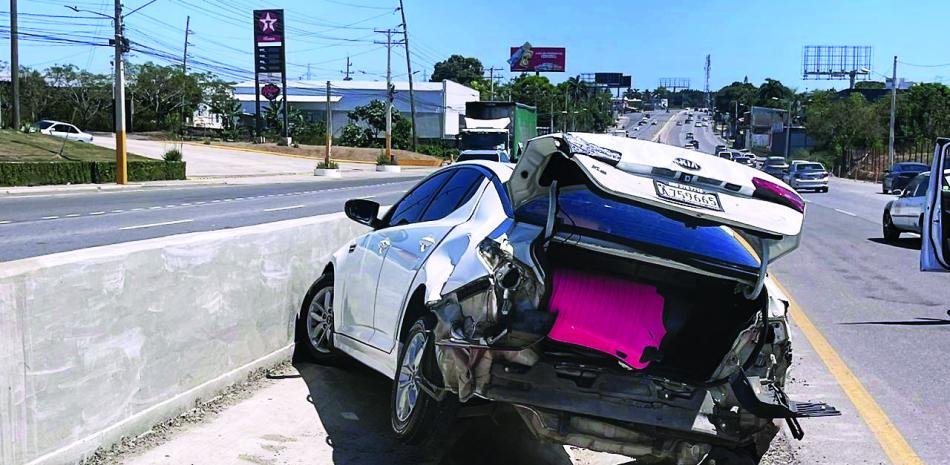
x=688, y=195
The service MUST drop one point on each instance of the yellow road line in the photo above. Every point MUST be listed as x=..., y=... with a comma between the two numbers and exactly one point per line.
x=890, y=439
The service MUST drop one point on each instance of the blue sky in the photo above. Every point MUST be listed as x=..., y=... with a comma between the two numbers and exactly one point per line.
x=648, y=40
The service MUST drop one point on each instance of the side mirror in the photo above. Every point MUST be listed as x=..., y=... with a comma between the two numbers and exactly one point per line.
x=934, y=232
x=363, y=211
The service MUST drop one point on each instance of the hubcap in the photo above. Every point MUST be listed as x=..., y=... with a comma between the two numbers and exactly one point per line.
x=320, y=320
x=407, y=388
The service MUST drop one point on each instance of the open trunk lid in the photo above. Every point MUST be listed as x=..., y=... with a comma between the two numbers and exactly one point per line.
x=696, y=187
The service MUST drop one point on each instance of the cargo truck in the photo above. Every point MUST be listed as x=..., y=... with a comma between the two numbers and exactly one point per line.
x=497, y=125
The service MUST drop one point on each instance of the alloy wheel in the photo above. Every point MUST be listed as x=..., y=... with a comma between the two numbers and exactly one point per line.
x=320, y=320
x=407, y=389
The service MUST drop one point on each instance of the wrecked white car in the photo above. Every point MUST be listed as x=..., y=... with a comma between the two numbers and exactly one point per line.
x=613, y=291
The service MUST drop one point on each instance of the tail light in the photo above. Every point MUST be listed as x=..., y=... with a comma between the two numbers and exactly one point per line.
x=772, y=192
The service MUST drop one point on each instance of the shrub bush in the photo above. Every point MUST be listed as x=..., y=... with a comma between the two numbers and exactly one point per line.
x=172, y=155
x=85, y=172
x=332, y=166
x=382, y=159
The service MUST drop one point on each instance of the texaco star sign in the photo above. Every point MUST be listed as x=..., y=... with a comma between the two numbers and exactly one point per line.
x=268, y=22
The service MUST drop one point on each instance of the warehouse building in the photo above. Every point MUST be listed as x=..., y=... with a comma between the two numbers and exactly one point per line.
x=438, y=104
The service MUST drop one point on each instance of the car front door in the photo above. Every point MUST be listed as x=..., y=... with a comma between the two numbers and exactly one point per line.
x=361, y=272
x=411, y=245
x=902, y=214
x=915, y=204
x=58, y=130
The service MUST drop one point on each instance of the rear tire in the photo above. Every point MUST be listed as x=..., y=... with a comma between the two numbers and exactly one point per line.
x=315, y=321
x=416, y=417
x=891, y=233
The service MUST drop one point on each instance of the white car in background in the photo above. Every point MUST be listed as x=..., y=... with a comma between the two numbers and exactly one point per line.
x=61, y=129
x=612, y=292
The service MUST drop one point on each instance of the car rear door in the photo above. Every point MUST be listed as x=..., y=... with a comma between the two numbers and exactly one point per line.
x=935, y=235
x=413, y=241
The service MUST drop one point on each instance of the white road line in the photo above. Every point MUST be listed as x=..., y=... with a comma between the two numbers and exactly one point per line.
x=184, y=204
x=116, y=211
x=97, y=213
x=169, y=206
x=72, y=215
x=845, y=212
x=239, y=198
x=54, y=217
x=137, y=209
x=283, y=208
x=5, y=222
x=200, y=203
x=215, y=201
x=152, y=225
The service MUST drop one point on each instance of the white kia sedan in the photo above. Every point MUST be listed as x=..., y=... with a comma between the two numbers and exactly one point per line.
x=64, y=130
x=612, y=291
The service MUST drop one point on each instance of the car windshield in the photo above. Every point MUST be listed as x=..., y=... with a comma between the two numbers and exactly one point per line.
x=44, y=124
x=775, y=161
x=811, y=167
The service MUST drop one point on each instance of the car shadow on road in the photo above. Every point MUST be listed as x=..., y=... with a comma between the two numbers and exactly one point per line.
x=912, y=243
x=352, y=402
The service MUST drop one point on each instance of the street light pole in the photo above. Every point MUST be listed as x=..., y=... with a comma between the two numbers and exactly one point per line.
x=788, y=128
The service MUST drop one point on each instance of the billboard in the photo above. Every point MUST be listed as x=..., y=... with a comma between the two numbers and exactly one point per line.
x=837, y=61
x=626, y=82
x=530, y=58
x=609, y=79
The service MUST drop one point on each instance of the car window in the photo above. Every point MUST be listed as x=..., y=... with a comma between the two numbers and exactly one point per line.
x=922, y=182
x=810, y=166
x=453, y=194
x=71, y=130
x=411, y=207
x=43, y=124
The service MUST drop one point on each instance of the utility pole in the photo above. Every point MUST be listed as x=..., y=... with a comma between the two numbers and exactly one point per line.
x=890, y=135
x=329, y=138
x=121, y=175
x=14, y=67
x=491, y=79
x=348, y=63
x=389, y=92
x=412, y=95
x=184, y=73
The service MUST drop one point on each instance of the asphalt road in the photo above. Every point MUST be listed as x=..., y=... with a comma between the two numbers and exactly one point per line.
x=649, y=130
x=44, y=224
x=887, y=320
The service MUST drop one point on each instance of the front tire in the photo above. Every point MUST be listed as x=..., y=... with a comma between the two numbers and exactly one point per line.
x=315, y=322
x=891, y=233
x=416, y=417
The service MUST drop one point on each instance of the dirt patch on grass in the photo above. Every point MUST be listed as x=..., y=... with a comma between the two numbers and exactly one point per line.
x=340, y=153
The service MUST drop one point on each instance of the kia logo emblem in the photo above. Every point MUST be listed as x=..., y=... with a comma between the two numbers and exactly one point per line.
x=688, y=164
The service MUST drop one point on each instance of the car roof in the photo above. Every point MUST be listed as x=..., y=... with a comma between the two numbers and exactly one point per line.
x=51, y=121
x=482, y=152
x=502, y=170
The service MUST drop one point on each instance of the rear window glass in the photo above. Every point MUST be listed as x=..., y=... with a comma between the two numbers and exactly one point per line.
x=650, y=231
x=811, y=166
x=911, y=168
x=43, y=124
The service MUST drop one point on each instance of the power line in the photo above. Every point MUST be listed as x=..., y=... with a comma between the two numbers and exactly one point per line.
x=924, y=66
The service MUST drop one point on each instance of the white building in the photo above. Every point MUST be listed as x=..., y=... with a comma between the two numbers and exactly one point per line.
x=438, y=104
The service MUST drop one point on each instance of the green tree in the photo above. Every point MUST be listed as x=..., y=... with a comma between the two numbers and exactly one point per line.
x=774, y=94
x=371, y=120
x=869, y=85
x=463, y=70
x=161, y=93
x=88, y=96
x=529, y=89
x=741, y=92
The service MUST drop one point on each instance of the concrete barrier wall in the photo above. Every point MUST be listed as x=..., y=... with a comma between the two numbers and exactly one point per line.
x=100, y=343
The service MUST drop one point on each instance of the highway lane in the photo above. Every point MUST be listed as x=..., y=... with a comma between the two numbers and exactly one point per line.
x=888, y=321
x=39, y=225
x=649, y=130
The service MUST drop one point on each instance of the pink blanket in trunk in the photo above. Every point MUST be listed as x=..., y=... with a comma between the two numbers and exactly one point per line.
x=610, y=315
